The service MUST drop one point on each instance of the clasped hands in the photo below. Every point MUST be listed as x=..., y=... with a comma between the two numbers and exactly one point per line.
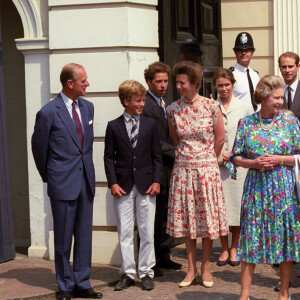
x=225, y=157
x=118, y=192
x=267, y=162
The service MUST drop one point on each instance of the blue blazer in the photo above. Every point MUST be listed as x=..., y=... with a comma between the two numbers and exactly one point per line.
x=127, y=166
x=57, y=152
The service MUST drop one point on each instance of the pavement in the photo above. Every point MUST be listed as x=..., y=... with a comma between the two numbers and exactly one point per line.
x=34, y=278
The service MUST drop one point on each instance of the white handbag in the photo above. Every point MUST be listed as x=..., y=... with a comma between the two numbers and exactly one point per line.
x=297, y=174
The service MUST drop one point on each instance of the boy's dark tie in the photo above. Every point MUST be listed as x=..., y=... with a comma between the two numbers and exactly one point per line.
x=134, y=132
x=77, y=124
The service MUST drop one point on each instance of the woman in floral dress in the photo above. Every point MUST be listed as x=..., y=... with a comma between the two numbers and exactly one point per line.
x=196, y=201
x=265, y=143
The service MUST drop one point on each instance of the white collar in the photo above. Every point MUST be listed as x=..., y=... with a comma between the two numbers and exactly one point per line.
x=127, y=116
x=67, y=100
x=241, y=68
x=157, y=99
x=293, y=85
x=231, y=104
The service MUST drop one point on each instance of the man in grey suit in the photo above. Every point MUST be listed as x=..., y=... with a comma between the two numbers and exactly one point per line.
x=289, y=67
x=156, y=76
x=62, y=146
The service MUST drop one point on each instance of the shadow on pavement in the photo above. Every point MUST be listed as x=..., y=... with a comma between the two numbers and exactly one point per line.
x=260, y=280
x=205, y=296
x=209, y=296
x=105, y=273
x=40, y=277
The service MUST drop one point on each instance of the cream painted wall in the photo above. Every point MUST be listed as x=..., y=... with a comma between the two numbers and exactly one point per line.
x=115, y=40
x=255, y=17
x=112, y=40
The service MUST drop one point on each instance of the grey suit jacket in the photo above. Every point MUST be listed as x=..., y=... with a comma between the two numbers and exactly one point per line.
x=296, y=102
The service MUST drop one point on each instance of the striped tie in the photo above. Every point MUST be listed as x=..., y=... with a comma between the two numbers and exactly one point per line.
x=134, y=132
x=77, y=124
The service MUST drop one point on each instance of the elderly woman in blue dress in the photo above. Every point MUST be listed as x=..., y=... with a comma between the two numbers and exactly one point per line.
x=266, y=143
x=232, y=110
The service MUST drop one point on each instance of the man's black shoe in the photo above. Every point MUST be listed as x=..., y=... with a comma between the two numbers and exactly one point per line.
x=147, y=283
x=63, y=295
x=124, y=283
x=88, y=293
x=169, y=264
x=157, y=272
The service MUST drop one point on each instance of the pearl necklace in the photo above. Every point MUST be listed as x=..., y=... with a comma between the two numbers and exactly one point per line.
x=191, y=101
x=263, y=126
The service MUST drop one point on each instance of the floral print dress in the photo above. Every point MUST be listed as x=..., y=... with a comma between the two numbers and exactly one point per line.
x=196, y=202
x=270, y=228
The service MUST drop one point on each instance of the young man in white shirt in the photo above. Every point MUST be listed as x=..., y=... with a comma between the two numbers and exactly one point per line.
x=289, y=67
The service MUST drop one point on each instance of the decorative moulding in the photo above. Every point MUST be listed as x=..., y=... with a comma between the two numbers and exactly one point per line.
x=40, y=45
x=89, y=2
x=31, y=18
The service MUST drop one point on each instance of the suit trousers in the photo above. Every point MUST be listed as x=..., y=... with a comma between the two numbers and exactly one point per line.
x=73, y=218
x=162, y=240
x=127, y=208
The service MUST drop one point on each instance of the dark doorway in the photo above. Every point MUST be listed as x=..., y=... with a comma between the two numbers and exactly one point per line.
x=191, y=22
x=15, y=114
x=7, y=245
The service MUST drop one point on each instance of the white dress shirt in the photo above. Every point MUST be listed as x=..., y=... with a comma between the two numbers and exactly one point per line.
x=68, y=103
x=293, y=90
x=241, y=87
x=128, y=123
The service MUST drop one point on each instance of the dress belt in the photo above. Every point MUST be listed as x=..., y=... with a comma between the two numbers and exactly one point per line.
x=195, y=163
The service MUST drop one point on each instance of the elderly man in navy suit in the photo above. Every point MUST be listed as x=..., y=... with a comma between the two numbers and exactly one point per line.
x=133, y=167
x=62, y=146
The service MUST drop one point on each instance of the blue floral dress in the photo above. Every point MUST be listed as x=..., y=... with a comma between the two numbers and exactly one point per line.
x=270, y=221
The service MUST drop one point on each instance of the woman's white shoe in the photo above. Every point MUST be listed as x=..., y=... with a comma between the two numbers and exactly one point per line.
x=188, y=283
x=207, y=284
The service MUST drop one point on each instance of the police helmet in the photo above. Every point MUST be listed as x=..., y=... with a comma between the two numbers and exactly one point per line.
x=244, y=41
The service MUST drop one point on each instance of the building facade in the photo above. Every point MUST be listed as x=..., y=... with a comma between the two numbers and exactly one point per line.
x=114, y=41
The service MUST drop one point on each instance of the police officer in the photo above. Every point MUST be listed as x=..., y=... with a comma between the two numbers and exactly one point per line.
x=246, y=78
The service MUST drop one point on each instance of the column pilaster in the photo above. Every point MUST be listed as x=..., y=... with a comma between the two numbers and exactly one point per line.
x=286, y=28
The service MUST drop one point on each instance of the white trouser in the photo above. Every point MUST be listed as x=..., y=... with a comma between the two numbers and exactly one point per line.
x=126, y=208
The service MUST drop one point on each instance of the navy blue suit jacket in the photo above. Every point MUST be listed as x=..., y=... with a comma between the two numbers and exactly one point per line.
x=154, y=111
x=57, y=151
x=126, y=166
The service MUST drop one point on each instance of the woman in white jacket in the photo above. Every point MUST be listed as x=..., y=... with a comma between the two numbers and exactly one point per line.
x=233, y=110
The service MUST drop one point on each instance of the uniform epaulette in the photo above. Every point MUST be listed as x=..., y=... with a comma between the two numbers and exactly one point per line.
x=256, y=72
x=231, y=69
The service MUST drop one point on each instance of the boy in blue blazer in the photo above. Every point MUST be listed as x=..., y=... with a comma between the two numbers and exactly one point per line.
x=133, y=166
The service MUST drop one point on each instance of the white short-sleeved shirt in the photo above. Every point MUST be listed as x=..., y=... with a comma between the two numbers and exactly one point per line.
x=241, y=87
